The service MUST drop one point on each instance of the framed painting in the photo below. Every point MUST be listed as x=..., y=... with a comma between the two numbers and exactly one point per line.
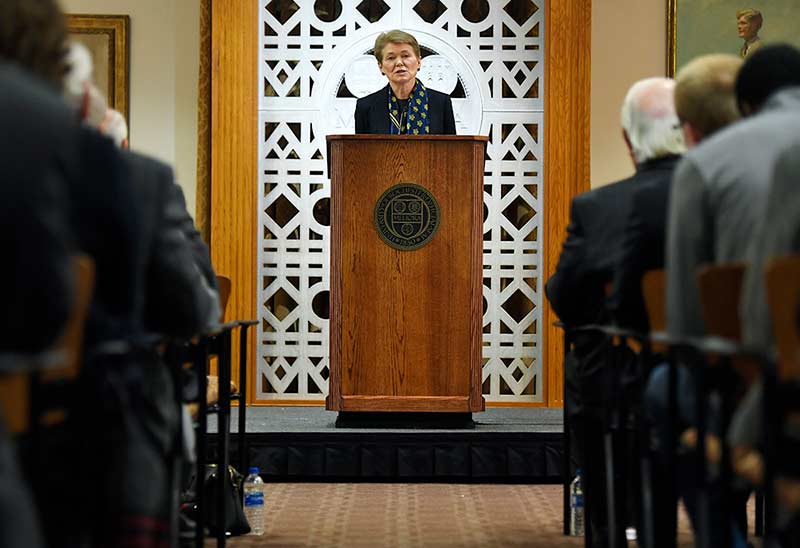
x=106, y=38
x=697, y=27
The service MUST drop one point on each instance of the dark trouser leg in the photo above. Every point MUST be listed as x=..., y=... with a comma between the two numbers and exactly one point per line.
x=589, y=430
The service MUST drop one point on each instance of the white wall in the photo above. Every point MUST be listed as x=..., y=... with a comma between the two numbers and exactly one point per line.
x=628, y=44
x=164, y=56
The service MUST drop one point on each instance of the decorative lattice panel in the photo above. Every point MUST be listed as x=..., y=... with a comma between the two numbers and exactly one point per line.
x=315, y=60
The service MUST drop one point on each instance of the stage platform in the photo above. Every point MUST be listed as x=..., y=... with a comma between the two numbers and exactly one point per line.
x=519, y=445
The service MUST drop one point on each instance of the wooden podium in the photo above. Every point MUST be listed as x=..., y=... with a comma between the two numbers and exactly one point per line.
x=406, y=324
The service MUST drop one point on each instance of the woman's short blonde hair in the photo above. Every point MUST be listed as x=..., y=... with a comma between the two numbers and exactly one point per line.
x=394, y=37
x=749, y=15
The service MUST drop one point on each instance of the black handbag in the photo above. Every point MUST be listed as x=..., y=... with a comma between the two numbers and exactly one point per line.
x=235, y=521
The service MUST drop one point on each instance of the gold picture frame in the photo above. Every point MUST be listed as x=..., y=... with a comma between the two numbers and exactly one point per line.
x=106, y=37
x=672, y=15
x=698, y=27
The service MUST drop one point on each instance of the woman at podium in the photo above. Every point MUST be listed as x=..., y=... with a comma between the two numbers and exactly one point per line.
x=405, y=106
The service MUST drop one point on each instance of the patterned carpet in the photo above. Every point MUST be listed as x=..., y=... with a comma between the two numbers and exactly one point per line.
x=412, y=515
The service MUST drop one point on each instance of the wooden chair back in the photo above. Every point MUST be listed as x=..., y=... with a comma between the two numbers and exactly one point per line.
x=782, y=277
x=224, y=284
x=15, y=389
x=654, y=289
x=720, y=290
x=720, y=294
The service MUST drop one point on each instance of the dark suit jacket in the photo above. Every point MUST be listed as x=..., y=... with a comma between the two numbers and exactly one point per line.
x=577, y=289
x=176, y=298
x=597, y=219
x=372, y=113
x=644, y=242
x=202, y=256
x=36, y=243
x=106, y=218
x=161, y=291
x=125, y=216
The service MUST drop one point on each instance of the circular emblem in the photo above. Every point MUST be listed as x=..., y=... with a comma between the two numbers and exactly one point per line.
x=406, y=216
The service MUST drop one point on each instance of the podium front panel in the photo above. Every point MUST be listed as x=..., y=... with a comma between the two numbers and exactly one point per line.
x=406, y=330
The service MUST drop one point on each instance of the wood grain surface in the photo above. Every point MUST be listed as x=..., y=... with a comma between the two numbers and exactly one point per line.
x=406, y=325
x=234, y=160
x=441, y=404
x=568, y=39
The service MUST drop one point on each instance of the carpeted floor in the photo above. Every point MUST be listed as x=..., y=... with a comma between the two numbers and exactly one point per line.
x=412, y=515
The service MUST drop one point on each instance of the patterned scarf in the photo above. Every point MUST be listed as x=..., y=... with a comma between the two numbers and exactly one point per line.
x=414, y=120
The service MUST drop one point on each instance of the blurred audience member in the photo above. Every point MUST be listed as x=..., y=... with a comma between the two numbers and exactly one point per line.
x=705, y=102
x=586, y=265
x=776, y=222
x=705, y=97
x=719, y=192
x=123, y=216
x=33, y=34
x=776, y=233
x=720, y=186
x=36, y=270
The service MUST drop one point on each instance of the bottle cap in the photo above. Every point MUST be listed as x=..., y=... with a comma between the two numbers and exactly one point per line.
x=254, y=469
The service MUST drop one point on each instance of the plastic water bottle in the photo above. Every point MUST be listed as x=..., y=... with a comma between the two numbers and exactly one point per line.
x=253, y=488
x=576, y=506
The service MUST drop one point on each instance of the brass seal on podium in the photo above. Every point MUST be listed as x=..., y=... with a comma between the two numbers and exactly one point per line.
x=407, y=216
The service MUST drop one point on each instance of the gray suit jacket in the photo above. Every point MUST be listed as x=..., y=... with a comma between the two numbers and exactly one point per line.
x=777, y=233
x=717, y=199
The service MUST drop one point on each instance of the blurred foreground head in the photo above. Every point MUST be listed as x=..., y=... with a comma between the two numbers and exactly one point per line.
x=33, y=34
x=765, y=72
x=649, y=121
x=704, y=95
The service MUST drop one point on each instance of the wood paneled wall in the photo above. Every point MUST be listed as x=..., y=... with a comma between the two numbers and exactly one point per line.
x=234, y=157
x=234, y=160
x=567, y=167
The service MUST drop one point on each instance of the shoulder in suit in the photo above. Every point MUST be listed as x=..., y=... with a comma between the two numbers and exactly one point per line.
x=577, y=288
x=643, y=242
x=178, y=300
x=36, y=274
x=372, y=114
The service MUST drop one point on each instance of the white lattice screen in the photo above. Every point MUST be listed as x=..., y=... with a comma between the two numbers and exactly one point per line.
x=315, y=60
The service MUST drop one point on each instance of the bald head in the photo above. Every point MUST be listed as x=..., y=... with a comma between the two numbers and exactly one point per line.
x=705, y=97
x=649, y=121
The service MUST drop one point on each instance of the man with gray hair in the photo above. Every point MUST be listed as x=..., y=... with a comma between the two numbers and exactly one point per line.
x=586, y=265
x=704, y=102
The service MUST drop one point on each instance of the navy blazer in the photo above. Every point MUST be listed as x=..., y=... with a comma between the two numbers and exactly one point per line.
x=372, y=113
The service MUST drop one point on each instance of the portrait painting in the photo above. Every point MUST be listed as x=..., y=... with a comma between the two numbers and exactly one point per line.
x=739, y=27
x=106, y=38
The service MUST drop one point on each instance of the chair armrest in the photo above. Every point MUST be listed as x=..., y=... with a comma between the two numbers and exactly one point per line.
x=12, y=362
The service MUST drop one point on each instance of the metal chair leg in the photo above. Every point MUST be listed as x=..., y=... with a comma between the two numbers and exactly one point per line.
x=611, y=499
x=201, y=367
x=566, y=458
x=759, y=525
x=242, y=430
x=671, y=445
x=223, y=432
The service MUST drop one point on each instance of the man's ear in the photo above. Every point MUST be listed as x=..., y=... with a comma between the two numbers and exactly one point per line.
x=691, y=135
